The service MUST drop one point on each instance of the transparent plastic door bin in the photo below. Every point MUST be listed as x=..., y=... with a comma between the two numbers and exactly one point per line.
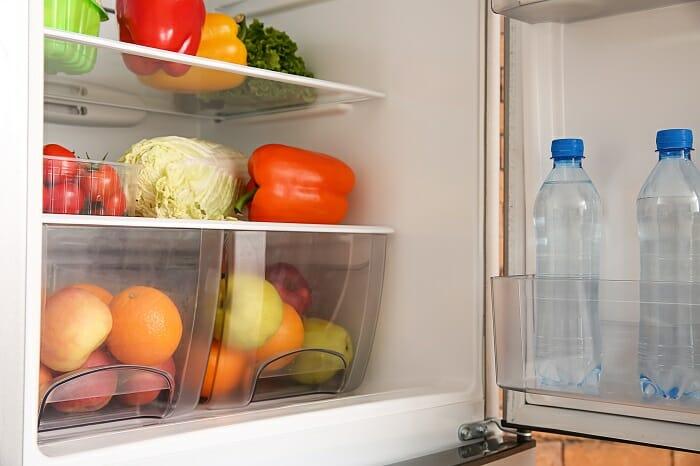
x=616, y=306
x=297, y=314
x=126, y=322
x=82, y=186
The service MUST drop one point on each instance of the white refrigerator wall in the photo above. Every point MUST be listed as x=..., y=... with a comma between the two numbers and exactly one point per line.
x=614, y=82
x=418, y=157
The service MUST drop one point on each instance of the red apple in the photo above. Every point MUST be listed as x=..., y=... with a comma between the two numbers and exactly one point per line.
x=143, y=387
x=89, y=392
x=290, y=284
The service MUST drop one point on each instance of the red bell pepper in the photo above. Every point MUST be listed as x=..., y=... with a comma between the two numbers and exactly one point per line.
x=296, y=185
x=174, y=25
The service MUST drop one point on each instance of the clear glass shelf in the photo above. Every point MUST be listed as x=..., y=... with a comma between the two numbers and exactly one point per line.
x=71, y=83
x=232, y=225
x=530, y=317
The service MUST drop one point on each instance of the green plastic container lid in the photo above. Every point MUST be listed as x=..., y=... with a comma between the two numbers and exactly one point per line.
x=101, y=11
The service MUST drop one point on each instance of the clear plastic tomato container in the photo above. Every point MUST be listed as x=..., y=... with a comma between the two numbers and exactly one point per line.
x=81, y=186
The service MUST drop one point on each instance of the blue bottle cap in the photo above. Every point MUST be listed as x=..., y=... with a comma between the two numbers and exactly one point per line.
x=567, y=149
x=668, y=139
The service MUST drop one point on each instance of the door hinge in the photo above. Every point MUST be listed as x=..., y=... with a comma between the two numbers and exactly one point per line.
x=480, y=430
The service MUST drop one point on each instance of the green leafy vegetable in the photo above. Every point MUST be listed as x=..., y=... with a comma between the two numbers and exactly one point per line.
x=270, y=49
x=186, y=178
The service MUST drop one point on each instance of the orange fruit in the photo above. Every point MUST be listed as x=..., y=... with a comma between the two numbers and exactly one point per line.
x=289, y=337
x=146, y=326
x=226, y=369
x=104, y=295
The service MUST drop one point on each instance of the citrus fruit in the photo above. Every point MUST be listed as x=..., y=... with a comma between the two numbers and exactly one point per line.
x=104, y=295
x=289, y=337
x=146, y=327
x=226, y=369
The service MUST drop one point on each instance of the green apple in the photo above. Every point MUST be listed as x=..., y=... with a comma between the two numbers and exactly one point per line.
x=316, y=367
x=252, y=312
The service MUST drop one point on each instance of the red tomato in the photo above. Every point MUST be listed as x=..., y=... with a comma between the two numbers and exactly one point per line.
x=115, y=204
x=65, y=198
x=100, y=183
x=59, y=151
x=58, y=171
x=46, y=198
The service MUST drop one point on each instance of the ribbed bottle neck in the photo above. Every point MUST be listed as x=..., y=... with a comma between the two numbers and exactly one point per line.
x=674, y=154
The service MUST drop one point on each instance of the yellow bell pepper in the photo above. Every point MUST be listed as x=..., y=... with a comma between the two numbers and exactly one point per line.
x=219, y=42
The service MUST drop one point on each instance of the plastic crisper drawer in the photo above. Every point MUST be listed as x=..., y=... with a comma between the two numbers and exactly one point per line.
x=127, y=315
x=297, y=314
x=519, y=301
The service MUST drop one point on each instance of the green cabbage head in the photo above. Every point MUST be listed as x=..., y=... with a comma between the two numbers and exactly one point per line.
x=186, y=178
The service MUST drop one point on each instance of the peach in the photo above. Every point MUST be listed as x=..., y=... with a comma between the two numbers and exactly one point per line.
x=88, y=392
x=74, y=323
x=143, y=387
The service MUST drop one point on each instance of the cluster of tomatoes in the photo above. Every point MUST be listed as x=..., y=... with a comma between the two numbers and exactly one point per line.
x=75, y=186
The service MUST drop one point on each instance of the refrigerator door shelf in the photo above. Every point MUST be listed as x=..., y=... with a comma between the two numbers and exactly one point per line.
x=569, y=11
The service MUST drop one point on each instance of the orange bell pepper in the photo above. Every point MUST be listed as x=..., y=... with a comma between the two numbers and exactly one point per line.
x=297, y=186
x=219, y=42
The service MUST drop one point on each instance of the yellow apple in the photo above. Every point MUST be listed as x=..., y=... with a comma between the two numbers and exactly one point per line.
x=317, y=367
x=252, y=312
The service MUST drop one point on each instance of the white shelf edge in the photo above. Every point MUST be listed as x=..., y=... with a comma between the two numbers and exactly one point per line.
x=139, y=50
x=232, y=225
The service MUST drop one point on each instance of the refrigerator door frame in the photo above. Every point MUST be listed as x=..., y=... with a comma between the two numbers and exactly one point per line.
x=531, y=412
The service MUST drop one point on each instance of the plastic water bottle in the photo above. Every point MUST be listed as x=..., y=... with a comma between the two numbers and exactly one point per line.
x=668, y=220
x=568, y=234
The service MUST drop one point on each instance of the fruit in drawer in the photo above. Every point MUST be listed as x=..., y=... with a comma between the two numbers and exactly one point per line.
x=252, y=312
x=316, y=367
x=147, y=326
x=104, y=295
x=289, y=337
x=74, y=323
x=291, y=285
x=45, y=377
x=143, y=387
x=226, y=370
x=88, y=392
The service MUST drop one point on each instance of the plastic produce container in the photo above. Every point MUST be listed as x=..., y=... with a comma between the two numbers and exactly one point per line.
x=126, y=323
x=80, y=186
x=296, y=315
x=81, y=16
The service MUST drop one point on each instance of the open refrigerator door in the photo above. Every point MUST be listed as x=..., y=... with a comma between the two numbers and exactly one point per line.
x=597, y=71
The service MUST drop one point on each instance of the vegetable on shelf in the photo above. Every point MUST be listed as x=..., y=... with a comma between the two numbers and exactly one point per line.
x=270, y=49
x=219, y=42
x=173, y=25
x=294, y=185
x=186, y=178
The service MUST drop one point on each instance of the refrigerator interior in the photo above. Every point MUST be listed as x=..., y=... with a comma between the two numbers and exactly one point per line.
x=418, y=158
x=613, y=81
